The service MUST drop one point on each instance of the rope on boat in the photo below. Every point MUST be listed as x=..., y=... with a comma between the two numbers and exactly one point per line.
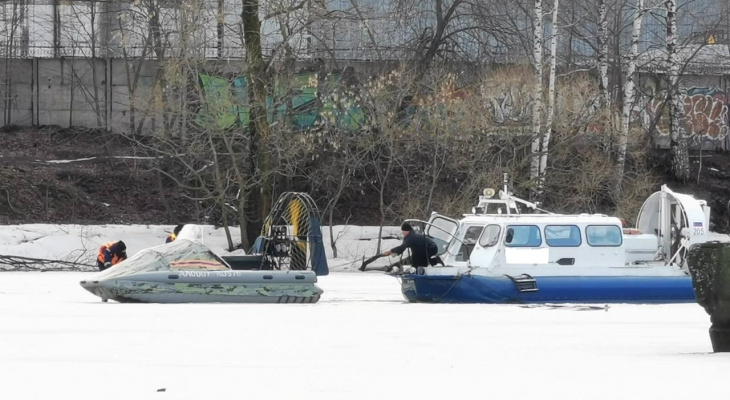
x=458, y=278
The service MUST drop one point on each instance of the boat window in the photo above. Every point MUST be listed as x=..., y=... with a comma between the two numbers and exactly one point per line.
x=441, y=230
x=470, y=240
x=472, y=234
x=604, y=235
x=490, y=236
x=562, y=236
x=523, y=236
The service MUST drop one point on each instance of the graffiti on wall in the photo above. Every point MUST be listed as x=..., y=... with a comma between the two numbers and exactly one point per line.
x=706, y=113
x=298, y=101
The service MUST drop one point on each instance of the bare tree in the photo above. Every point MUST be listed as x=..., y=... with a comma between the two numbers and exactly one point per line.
x=260, y=158
x=82, y=34
x=551, y=97
x=603, y=51
x=537, y=102
x=14, y=16
x=629, y=94
x=680, y=155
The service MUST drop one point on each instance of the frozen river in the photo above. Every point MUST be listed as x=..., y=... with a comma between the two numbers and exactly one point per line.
x=361, y=341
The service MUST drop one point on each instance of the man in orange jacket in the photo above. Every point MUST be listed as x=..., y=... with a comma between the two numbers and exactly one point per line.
x=171, y=237
x=111, y=253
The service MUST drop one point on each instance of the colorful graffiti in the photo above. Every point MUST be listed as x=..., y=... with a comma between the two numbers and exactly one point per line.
x=303, y=101
x=706, y=113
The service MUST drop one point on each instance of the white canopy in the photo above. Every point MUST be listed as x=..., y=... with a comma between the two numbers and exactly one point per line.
x=181, y=254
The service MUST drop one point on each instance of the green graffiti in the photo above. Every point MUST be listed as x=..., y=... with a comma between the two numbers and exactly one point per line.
x=298, y=101
x=219, y=110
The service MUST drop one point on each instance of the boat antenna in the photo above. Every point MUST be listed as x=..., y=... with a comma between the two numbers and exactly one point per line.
x=535, y=206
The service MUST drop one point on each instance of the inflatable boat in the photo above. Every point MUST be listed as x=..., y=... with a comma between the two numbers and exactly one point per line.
x=187, y=272
x=282, y=268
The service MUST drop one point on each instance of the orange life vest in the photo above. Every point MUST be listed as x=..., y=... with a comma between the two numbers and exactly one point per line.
x=105, y=252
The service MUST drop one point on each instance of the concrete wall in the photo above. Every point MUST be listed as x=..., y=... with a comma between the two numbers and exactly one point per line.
x=92, y=93
x=16, y=88
x=706, y=102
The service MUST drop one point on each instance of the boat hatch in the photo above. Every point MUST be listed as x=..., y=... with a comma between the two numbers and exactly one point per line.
x=442, y=230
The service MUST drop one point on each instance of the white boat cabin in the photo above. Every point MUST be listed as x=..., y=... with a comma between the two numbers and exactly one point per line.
x=498, y=238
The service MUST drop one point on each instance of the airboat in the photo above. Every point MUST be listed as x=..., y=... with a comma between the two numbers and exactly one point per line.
x=287, y=258
x=508, y=250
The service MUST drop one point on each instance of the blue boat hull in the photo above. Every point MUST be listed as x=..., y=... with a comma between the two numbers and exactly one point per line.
x=554, y=289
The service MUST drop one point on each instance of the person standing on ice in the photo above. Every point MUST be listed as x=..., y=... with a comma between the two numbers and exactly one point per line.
x=423, y=249
x=171, y=237
x=111, y=253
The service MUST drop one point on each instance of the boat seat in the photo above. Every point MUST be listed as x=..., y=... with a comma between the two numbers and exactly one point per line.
x=465, y=251
x=247, y=262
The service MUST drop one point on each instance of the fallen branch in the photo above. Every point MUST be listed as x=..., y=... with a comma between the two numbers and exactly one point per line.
x=18, y=263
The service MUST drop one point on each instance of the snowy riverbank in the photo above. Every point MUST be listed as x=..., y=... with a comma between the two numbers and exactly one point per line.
x=80, y=243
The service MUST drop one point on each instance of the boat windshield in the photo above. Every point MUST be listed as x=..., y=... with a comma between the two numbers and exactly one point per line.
x=470, y=240
x=441, y=230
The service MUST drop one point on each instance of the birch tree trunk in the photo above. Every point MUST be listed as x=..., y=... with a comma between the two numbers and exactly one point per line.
x=680, y=156
x=537, y=92
x=603, y=52
x=628, y=102
x=551, y=99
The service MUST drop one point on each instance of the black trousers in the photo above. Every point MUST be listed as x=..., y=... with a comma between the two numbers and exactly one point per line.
x=100, y=265
x=435, y=260
x=420, y=262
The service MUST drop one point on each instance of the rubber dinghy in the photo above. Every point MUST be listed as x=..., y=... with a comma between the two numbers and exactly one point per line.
x=188, y=272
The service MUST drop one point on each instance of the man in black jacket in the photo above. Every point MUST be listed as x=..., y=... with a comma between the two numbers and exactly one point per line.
x=423, y=249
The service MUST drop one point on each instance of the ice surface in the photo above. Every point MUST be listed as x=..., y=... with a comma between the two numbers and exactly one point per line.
x=361, y=341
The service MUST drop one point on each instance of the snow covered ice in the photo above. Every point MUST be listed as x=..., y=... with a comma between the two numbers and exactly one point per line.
x=361, y=341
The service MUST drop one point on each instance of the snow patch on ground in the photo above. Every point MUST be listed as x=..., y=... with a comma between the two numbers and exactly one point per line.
x=80, y=243
x=69, y=161
x=94, y=158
